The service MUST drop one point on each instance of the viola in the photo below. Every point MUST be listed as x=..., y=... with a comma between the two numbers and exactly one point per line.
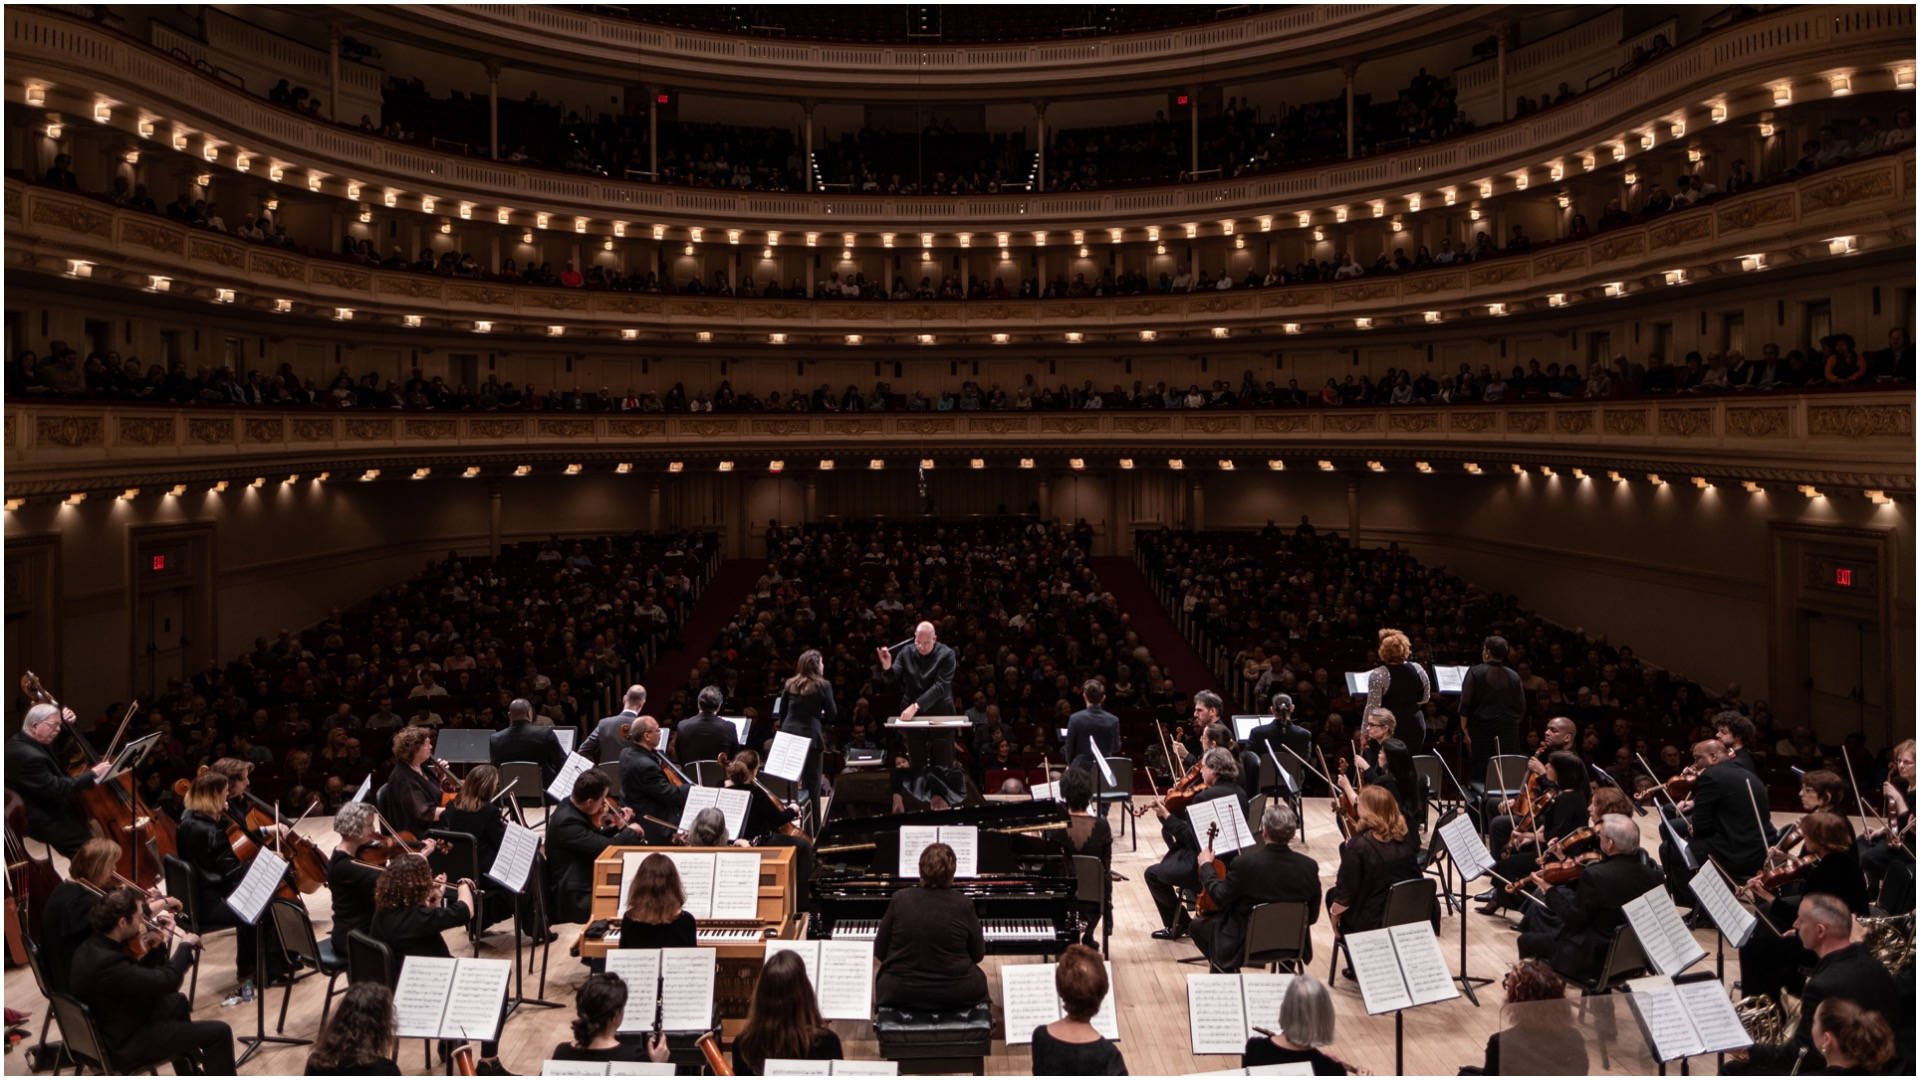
x=1791, y=870
x=1558, y=873
x=1678, y=786
x=1181, y=794
x=1203, y=903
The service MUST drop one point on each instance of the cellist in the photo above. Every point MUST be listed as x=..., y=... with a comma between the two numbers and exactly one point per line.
x=206, y=845
x=40, y=778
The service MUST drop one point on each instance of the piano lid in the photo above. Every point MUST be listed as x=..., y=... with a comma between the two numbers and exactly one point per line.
x=1016, y=840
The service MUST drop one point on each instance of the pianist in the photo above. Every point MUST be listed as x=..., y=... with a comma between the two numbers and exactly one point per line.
x=930, y=944
x=655, y=916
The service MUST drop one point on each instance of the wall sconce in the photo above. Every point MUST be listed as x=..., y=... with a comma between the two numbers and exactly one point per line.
x=1220, y=331
x=1756, y=261
x=1276, y=465
x=1676, y=277
x=410, y=320
x=1558, y=299
x=1340, y=214
x=1176, y=464
x=1615, y=288
x=1718, y=113
x=1783, y=94
x=1431, y=316
x=482, y=326
x=223, y=296
x=1363, y=322
x=1290, y=328
x=1843, y=245
x=556, y=331
x=283, y=306
x=1840, y=85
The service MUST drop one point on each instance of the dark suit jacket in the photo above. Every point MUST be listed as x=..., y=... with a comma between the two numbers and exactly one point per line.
x=1087, y=728
x=1590, y=910
x=37, y=776
x=528, y=742
x=1279, y=734
x=1724, y=824
x=603, y=743
x=124, y=994
x=699, y=738
x=63, y=929
x=572, y=845
x=644, y=787
x=1177, y=830
x=926, y=681
x=1257, y=875
x=204, y=845
x=1854, y=974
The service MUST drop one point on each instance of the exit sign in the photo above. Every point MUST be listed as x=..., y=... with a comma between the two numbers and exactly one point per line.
x=1843, y=577
x=159, y=562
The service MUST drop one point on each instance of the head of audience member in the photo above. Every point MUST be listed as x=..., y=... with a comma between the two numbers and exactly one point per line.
x=937, y=863
x=1850, y=1037
x=1380, y=815
x=1013, y=785
x=709, y=828
x=1080, y=979
x=655, y=894
x=362, y=1029
x=784, y=1019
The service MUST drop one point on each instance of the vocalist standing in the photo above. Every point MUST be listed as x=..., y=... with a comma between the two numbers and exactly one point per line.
x=924, y=672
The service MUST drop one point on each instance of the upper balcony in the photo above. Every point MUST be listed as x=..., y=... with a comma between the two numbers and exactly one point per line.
x=1744, y=70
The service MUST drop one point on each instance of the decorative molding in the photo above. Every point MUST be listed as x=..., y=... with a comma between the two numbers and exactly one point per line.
x=1859, y=421
x=485, y=295
x=626, y=426
x=149, y=234
x=306, y=429
x=1069, y=425
x=1757, y=210
x=1471, y=421
x=365, y=428
x=706, y=428
x=1497, y=273
x=72, y=432
x=1530, y=422
x=339, y=277
x=434, y=428
x=145, y=430
x=997, y=425
x=1834, y=192
x=852, y=425
x=1560, y=257
x=285, y=267
x=1679, y=230
x=779, y=425
x=1361, y=291
x=1413, y=422
x=556, y=299
x=210, y=431
x=232, y=256
x=72, y=216
x=1351, y=423
x=557, y=427
x=927, y=425
x=1763, y=423
x=418, y=288
x=1686, y=422
x=1282, y=424
x=497, y=427
x=1142, y=425
x=263, y=429
x=1619, y=245
x=1573, y=421
x=1624, y=421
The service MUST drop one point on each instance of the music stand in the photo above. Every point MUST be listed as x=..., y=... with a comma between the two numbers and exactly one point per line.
x=464, y=746
x=929, y=741
x=248, y=902
x=128, y=759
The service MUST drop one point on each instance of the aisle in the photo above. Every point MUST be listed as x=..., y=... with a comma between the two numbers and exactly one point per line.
x=717, y=603
x=1150, y=983
x=1130, y=590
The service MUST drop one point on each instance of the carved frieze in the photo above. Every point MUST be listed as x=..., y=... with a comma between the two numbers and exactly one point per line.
x=210, y=431
x=1530, y=422
x=1859, y=421
x=1686, y=422
x=706, y=427
x=1422, y=284
x=1069, y=425
x=1283, y=424
x=1210, y=425
x=1351, y=423
x=555, y=299
x=1762, y=423
x=307, y=429
x=1496, y=273
x=1758, y=210
x=1294, y=297
x=1141, y=425
x=340, y=277
x=1573, y=421
x=497, y=427
x=280, y=266
x=1555, y=259
x=927, y=425
x=1838, y=191
x=1470, y=421
x=1363, y=291
x=1624, y=421
x=1680, y=230
x=631, y=427
x=1619, y=245
x=73, y=217
x=146, y=430
x=1413, y=422
x=485, y=295
x=72, y=432
x=263, y=429
x=997, y=425
x=365, y=428
x=852, y=425
x=779, y=425
x=567, y=428
x=432, y=428
x=419, y=288
x=207, y=249
x=147, y=234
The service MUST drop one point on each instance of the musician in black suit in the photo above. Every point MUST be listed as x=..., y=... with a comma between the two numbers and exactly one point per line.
x=66, y=923
x=39, y=777
x=604, y=743
x=523, y=740
x=1282, y=734
x=1590, y=909
x=1564, y=811
x=1735, y=732
x=644, y=786
x=924, y=671
x=807, y=707
x=1721, y=821
x=1846, y=970
x=705, y=736
x=1090, y=727
x=575, y=838
x=1265, y=874
x=1220, y=775
x=137, y=1005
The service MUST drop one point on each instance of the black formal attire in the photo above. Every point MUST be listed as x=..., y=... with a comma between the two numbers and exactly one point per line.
x=1053, y=1057
x=1590, y=914
x=1179, y=868
x=682, y=933
x=488, y=829
x=1368, y=870
x=1722, y=825
x=139, y=1010
x=645, y=789
x=807, y=715
x=930, y=947
x=352, y=884
x=528, y=741
x=408, y=800
x=1090, y=727
x=630, y=1049
x=1770, y=963
x=419, y=931
x=1500, y=826
x=825, y=1047
x=1494, y=704
x=203, y=845
x=927, y=681
x=1567, y=813
x=1263, y=1051
x=1091, y=835
x=376, y=1067
x=40, y=778
x=1889, y=869
x=1412, y=801
x=763, y=817
x=1282, y=734
x=1260, y=875
x=603, y=743
x=1854, y=974
x=1402, y=689
x=64, y=927
x=1743, y=757
x=704, y=738
x=572, y=844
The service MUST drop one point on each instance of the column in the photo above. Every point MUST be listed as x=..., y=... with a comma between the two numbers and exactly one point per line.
x=1348, y=68
x=1502, y=35
x=334, y=32
x=493, y=109
x=813, y=503
x=1193, y=128
x=653, y=131
x=653, y=506
x=806, y=138
x=493, y=252
x=1199, y=507
x=1040, y=124
x=1353, y=512
x=1043, y=495
x=493, y=518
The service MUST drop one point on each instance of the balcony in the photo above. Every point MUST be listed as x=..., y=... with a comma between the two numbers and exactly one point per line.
x=1855, y=440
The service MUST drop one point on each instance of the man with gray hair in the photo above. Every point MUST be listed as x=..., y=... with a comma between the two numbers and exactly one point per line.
x=40, y=778
x=604, y=744
x=923, y=669
x=1177, y=869
x=1589, y=911
x=1260, y=875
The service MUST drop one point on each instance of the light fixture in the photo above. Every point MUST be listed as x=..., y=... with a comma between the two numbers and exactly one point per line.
x=703, y=335
x=966, y=239
x=145, y=127
x=1040, y=238
x=1266, y=223
x=1149, y=335
x=1766, y=129
x=527, y=237
x=132, y=157
x=76, y=498
x=926, y=463
x=37, y=95
x=1077, y=464
x=427, y=203
x=1556, y=171
x=876, y=464
x=1547, y=470
x=1397, y=226
x=79, y=268
x=1001, y=238
x=1694, y=154
x=1290, y=328
x=1363, y=322
x=977, y=463
x=1654, y=479
x=1518, y=470
x=623, y=468
x=366, y=215
x=1752, y=488
x=1226, y=464
x=1126, y=463
x=1701, y=482
x=924, y=339
x=422, y=472
x=1413, y=203
x=180, y=140
x=846, y=254
x=177, y=490
x=218, y=487
x=725, y=466
x=15, y=504
x=826, y=464
x=1423, y=466
x=1811, y=492
x=1843, y=245
x=1471, y=467
x=1319, y=233
x=223, y=296
x=1451, y=195
x=343, y=314
x=1325, y=465
x=1564, y=200
x=1841, y=85
x=1176, y=464
x=370, y=476
x=1675, y=277
x=1340, y=214
x=1080, y=236
x=1558, y=299
x=1756, y=261
x=1497, y=308
x=1084, y=252
x=1000, y=337
x=315, y=180
x=1614, y=475
x=777, y=465
x=1473, y=213
x=1903, y=76
x=1717, y=112
x=1632, y=177
x=1431, y=316
x=446, y=228
x=1520, y=181
x=283, y=306
x=1782, y=93
x=556, y=330
x=1615, y=288
x=776, y=338
x=1587, y=163
x=129, y=495
x=1276, y=465
x=158, y=283
x=1220, y=331
x=1075, y=337
x=471, y=472
x=1375, y=466
x=854, y=339
x=1192, y=228
x=482, y=326
x=1877, y=497
x=1159, y=249
x=620, y=230
x=676, y=466
x=1026, y=463
x=579, y=225
x=659, y=232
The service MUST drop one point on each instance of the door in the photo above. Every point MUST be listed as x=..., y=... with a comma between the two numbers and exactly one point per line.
x=162, y=618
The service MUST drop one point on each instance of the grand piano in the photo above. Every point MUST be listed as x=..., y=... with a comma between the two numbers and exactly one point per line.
x=1023, y=893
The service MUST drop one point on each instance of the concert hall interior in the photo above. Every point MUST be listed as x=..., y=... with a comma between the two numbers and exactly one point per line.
x=959, y=539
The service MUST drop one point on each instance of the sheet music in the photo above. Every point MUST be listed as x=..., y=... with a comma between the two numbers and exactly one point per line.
x=1100, y=759
x=1030, y=1002
x=1047, y=792
x=1729, y=914
x=1264, y=992
x=808, y=951
x=1244, y=723
x=556, y=1067
x=420, y=997
x=1711, y=1011
x=1234, y=834
x=640, y=970
x=474, y=999
x=517, y=848
x=733, y=803
x=1216, y=1014
x=689, y=988
x=640, y=1068
x=736, y=885
x=1465, y=848
x=1668, y=943
x=795, y=1067
x=567, y=736
x=1449, y=679
x=250, y=898
x=843, y=980
x=360, y=793
x=915, y=839
x=788, y=758
x=1663, y=1019
x=848, y=1067
x=963, y=839
x=561, y=790
x=696, y=879
x=1377, y=969
x=1287, y=1068
x=1428, y=979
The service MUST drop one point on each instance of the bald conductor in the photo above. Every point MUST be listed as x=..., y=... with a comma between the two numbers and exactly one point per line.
x=923, y=669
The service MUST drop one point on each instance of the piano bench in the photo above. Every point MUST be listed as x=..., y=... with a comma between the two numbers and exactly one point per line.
x=936, y=1040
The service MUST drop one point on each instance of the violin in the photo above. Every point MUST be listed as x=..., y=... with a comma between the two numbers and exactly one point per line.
x=1791, y=870
x=1558, y=873
x=1678, y=786
x=1585, y=834
x=1203, y=903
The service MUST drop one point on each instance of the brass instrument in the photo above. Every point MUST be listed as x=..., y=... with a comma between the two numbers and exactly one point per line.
x=1890, y=940
x=1767, y=1021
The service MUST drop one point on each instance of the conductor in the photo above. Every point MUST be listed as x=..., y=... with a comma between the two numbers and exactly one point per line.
x=924, y=671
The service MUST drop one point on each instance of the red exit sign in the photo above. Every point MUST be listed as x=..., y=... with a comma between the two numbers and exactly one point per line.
x=1843, y=577
x=159, y=562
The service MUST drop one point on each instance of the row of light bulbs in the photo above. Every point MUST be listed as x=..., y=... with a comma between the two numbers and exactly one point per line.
x=1674, y=127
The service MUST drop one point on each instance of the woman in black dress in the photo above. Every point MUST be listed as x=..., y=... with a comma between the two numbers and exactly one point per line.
x=1525, y=847
x=1392, y=768
x=784, y=1021
x=1070, y=1046
x=600, y=1008
x=409, y=917
x=410, y=798
x=475, y=813
x=807, y=707
x=763, y=815
x=359, y=1038
x=655, y=915
x=930, y=944
x=1770, y=963
x=1305, y=1025
x=1401, y=688
x=1492, y=705
x=65, y=923
x=1379, y=853
x=1543, y=1033
x=203, y=844
x=351, y=881
x=1088, y=834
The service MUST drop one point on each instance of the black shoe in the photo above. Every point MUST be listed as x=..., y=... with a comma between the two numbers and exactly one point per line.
x=491, y=1067
x=1484, y=898
x=1492, y=907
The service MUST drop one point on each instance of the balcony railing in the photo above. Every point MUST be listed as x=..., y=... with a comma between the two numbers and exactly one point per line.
x=1854, y=439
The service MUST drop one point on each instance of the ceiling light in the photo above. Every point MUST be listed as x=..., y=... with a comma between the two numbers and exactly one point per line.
x=1752, y=488
x=703, y=335
x=1192, y=228
x=1558, y=299
x=370, y=476
x=826, y=464
x=1226, y=464
x=776, y=465
x=1376, y=466
x=1556, y=171
x=1148, y=335
x=1518, y=469
x=1266, y=223
x=129, y=495
x=1756, y=261
x=1000, y=337
x=37, y=95
x=76, y=498
x=1339, y=214
x=223, y=296
x=1841, y=85
x=80, y=268
x=1159, y=249
x=1325, y=465
x=1176, y=464
x=1766, y=130
x=158, y=283
x=283, y=306
x=218, y=486
x=1701, y=483
x=1547, y=470
x=1220, y=331
x=1076, y=464
x=1319, y=233
x=527, y=237
x=966, y=239
x=1877, y=497
x=1290, y=328
x=623, y=468
x=1497, y=308
x=1363, y=322
x=854, y=339
x=1473, y=213
x=876, y=464
x=1423, y=466
x=422, y=472
x=726, y=466
x=1615, y=288
x=482, y=326
x=1431, y=316
x=1843, y=245
x=177, y=490
x=924, y=339
x=1471, y=467
x=471, y=472
x=1903, y=76
x=1083, y=252
x=1126, y=463
x=1654, y=479
x=1811, y=492
x=776, y=338
x=343, y=314
x=1718, y=112
x=1276, y=465
x=977, y=463
x=15, y=504
x=556, y=331
x=1075, y=337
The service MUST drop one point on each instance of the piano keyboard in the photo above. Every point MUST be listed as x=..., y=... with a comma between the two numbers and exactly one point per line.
x=722, y=935
x=990, y=929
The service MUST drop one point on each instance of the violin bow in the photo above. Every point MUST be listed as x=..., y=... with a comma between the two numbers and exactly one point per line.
x=1893, y=838
x=1758, y=818
x=1662, y=789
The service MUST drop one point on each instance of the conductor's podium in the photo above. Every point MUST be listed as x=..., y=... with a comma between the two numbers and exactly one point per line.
x=740, y=944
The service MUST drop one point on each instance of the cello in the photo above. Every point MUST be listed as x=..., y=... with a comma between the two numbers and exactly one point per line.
x=113, y=808
x=30, y=880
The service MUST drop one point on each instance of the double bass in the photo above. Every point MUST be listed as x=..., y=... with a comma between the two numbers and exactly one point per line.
x=30, y=880
x=113, y=808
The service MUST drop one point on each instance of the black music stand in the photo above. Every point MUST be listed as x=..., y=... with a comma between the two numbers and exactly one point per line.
x=260, y=1038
